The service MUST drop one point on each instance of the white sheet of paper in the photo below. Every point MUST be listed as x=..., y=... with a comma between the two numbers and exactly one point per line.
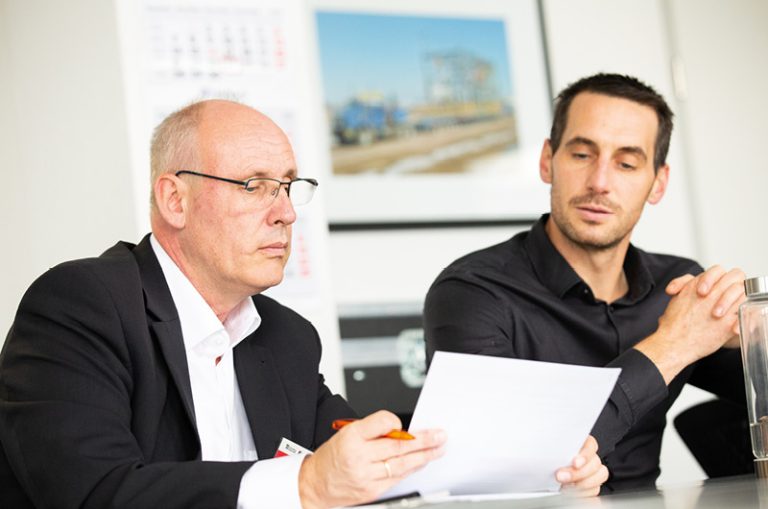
x=510, y=423
x=438, y=499
x=441, y=498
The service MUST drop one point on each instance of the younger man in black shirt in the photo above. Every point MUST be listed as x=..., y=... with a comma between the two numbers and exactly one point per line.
x=574, y=290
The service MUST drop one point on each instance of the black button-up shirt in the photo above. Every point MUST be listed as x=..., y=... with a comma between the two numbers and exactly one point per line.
x=522, y=299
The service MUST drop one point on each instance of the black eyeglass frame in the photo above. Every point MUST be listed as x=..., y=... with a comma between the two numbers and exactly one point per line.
x=245, y=183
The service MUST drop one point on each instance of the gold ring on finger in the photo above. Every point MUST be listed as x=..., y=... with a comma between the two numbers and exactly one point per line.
x=389, y=470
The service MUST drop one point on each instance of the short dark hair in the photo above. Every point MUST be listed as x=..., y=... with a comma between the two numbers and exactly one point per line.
x=616, y=85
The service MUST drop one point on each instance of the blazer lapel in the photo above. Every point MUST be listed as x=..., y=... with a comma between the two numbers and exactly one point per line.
x=168, y=335
x=164, y=322
x=264, y=398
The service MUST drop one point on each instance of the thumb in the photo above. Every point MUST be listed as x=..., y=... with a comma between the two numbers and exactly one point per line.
x=376, y=424
x=677, y=284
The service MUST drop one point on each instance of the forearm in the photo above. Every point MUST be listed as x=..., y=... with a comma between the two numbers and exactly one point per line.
x=640, y=388
x=661, y=350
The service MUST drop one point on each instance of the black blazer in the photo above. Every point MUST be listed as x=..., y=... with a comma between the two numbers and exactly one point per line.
x=95, y=400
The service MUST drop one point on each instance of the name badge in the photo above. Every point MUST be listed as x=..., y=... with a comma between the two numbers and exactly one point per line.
x=288, y=448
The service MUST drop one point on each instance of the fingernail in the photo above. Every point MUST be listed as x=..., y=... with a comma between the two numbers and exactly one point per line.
x=440, y=437
x=579, y=461
x=719, y=311
x=563, y=476
x=704, y=288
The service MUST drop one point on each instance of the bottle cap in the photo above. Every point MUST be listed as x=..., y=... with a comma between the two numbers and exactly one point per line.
x=756, y=286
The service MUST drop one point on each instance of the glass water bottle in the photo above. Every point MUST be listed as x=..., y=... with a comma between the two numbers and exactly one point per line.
x=753, y=321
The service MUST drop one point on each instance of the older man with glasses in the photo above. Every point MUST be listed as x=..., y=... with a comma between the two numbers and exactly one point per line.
x=157, y=375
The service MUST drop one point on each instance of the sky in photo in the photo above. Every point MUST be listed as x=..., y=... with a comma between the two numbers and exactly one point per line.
x=383, y=53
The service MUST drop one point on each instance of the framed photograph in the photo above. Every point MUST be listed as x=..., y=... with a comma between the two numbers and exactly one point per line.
x=432, y=115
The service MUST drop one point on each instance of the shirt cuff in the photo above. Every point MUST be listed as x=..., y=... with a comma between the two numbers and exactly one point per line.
x=271, y=483
x=640, y=382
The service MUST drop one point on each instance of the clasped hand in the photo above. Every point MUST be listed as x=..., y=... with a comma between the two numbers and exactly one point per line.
x=709, y=301
x=700, y=318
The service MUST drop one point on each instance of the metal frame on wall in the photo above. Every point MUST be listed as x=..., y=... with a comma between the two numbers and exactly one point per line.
x=458, y=153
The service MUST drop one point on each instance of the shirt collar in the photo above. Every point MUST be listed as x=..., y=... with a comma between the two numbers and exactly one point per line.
x=639, y=276
x=554, y=272
x=198, y=321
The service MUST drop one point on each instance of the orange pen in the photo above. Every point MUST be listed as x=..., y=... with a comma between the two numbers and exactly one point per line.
x=397, y=434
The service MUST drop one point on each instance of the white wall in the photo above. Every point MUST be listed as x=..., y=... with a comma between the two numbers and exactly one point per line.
x=398, y=266
x=723, y=50
x=10, y=202
x=66, y=188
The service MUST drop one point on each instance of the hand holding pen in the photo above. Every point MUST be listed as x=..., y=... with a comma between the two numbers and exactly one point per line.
x=361, y=461
x=397, y=434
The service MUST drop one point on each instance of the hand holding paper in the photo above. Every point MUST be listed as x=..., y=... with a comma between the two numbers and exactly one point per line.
x=511, y=424
x=586, y=474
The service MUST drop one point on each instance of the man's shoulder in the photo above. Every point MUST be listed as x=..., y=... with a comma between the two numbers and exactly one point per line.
x=490, y=257
x=497, y=258
x=667, y=266
x=272, y=311
x=283, y=330
x=114, y=260
x=112, y=268
x=268, y=305
x=94, y=290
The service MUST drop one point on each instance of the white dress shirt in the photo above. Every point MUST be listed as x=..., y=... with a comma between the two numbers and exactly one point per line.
x=222, y=425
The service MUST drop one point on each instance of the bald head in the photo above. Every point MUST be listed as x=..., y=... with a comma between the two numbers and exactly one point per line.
x=188, y=139
x=221, y=122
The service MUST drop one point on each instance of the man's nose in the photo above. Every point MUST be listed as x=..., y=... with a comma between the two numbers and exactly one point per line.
x=599, y=176
x=281, y=210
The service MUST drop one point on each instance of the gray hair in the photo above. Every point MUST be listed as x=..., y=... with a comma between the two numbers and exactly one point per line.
x=174, y=144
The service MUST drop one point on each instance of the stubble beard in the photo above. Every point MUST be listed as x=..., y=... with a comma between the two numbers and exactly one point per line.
x=596, y=241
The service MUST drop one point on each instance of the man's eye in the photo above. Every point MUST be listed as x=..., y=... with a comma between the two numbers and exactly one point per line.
x=580, y=155
x=257, y=187
x=627, y=166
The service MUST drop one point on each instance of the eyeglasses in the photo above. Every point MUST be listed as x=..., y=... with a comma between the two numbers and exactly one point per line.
x=265, y=190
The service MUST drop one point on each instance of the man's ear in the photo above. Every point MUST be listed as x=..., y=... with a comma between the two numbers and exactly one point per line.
x=659, y=185
x=171, y=199
x=545, y=162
